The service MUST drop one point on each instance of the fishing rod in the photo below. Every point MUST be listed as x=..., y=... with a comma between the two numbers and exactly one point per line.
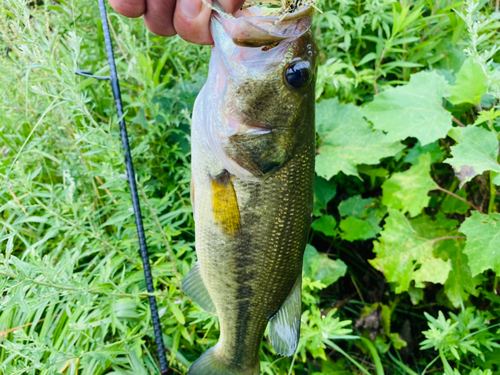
x=115, y=86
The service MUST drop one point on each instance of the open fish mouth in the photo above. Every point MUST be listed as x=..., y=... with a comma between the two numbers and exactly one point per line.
x=254, y=29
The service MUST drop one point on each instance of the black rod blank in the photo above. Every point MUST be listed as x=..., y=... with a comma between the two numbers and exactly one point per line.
x=115, y=85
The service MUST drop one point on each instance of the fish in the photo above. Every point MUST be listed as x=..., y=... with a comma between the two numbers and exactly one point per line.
x=253, y=151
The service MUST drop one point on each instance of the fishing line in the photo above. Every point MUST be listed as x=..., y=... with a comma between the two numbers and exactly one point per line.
x=115, y=86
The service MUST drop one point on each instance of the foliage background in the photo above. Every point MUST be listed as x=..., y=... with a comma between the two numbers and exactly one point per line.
x=401, y=272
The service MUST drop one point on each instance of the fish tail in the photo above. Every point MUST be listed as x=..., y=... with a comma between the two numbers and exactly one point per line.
x=209, y=364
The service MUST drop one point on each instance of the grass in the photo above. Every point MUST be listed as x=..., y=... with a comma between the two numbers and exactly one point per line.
x=72, y=279
x=73, y=298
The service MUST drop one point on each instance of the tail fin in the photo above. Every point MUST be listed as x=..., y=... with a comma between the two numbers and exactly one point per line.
x=209, y=364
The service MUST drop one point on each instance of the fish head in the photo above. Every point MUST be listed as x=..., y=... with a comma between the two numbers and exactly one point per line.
x=262, y=75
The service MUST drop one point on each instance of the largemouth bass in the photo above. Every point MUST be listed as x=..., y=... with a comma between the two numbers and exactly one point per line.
x=253, y=151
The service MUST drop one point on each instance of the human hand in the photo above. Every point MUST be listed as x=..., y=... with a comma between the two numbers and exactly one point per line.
x=188, y=18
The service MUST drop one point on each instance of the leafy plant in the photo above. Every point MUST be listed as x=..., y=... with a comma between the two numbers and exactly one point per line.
x=404, y=239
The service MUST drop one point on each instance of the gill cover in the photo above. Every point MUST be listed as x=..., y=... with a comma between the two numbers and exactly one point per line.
x=249, y=111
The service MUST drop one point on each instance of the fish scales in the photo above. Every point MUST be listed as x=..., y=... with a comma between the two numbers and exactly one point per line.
x=253, y=150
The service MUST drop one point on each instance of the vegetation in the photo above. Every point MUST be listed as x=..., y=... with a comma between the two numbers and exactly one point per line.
x=401, y=275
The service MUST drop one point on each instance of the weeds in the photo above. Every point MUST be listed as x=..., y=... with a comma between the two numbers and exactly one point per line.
x=401, y=273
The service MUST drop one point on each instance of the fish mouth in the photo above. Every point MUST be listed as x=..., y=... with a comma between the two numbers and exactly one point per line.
x=254, y=44
x=253, y=29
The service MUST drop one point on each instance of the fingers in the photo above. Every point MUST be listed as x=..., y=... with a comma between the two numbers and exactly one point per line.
x=159, y=15
x=129, y=8
x=188, y=18
x=231, y=6
x=192, y=20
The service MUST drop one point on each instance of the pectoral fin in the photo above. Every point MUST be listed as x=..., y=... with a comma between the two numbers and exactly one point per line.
x=225, y=204
x=284, y=327
x=195, y=289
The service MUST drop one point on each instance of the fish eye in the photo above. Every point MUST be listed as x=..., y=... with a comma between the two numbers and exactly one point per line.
x=297, y=74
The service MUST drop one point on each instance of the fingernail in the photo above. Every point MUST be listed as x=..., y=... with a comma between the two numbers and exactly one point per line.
x=190, y=8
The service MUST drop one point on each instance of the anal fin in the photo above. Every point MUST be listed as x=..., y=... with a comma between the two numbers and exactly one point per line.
x=284, y=327
x=195, y=289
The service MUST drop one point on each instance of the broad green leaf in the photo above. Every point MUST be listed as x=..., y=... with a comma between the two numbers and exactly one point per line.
x=324, y=190
x=432, y=228
x=354, y=206
x=470, y=84
x=141, y=119
x=455, y=134
x=416, y=295
x=477, y=152
x=432, y=149
x=413, y=110
x=348, y=140
x=397, y=341
x=326, y=224
x=403, y=256
x=490, y=360
x=320, y=267
x=363, y=218
x=433, y=270
x=408, y=191
x=356, y=229
x=460, y=283
x=372, y=171
x=483, y=242
x=453, y=205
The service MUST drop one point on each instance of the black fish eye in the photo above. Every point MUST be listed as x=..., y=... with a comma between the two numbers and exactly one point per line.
x=297, y=73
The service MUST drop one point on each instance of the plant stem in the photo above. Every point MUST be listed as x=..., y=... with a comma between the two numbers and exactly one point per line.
x=164, y=236
x=73, y=289
x=493, y=191
x=377, y=67
x=448, y=238
x=3, y=333
x=17, y=200
x=376, y=358
x=459, y=198
x=347, y=356
x=458, y=122
x=357, y=289
x=401, y=365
